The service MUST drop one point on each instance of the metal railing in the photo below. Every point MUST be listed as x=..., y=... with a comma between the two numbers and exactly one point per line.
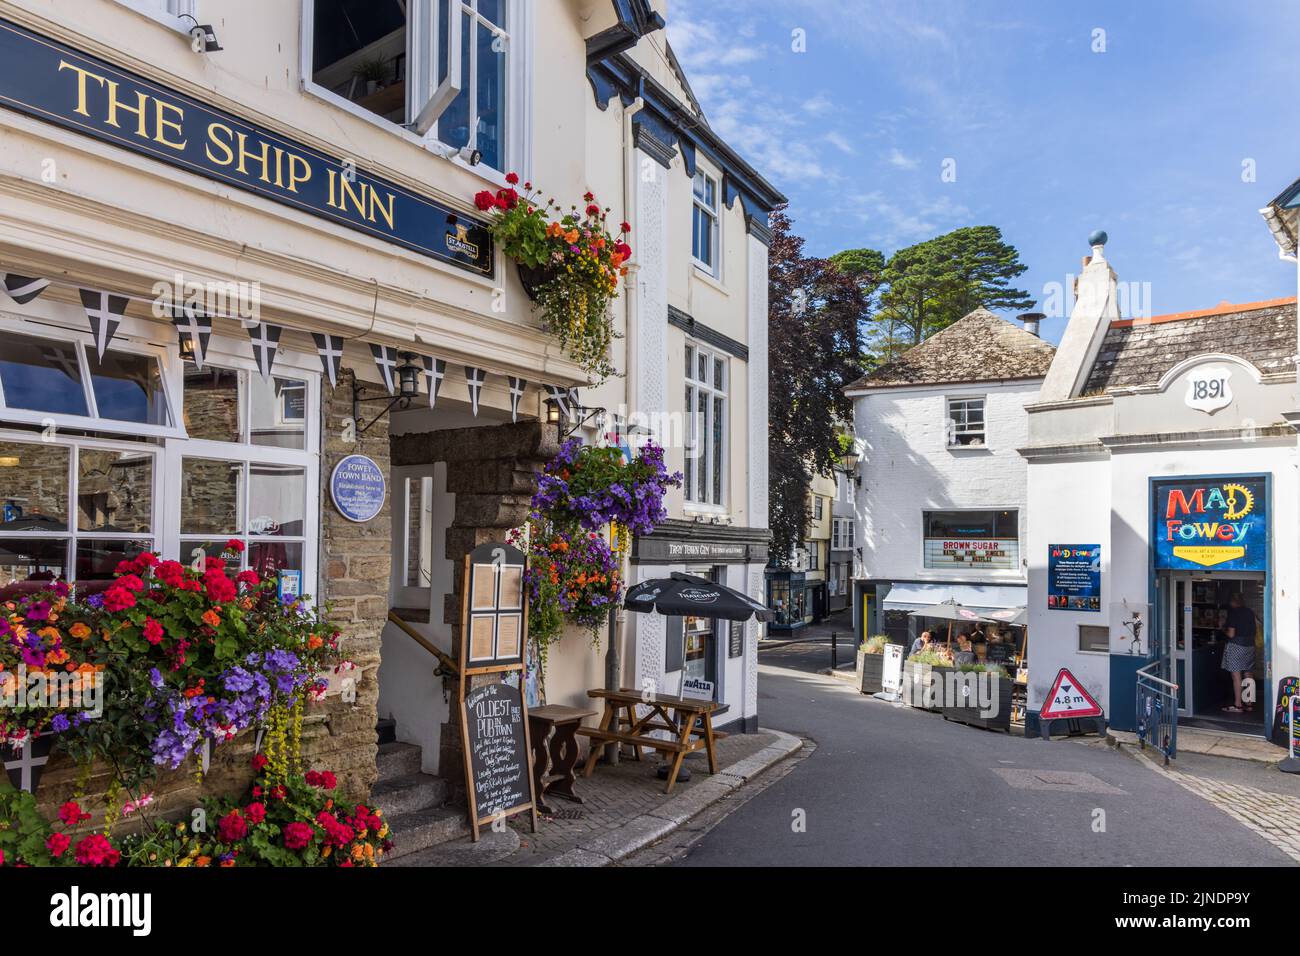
x=1157, y=711
x=446, y=664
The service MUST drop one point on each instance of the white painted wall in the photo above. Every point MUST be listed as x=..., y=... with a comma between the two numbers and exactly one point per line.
x=908, y=468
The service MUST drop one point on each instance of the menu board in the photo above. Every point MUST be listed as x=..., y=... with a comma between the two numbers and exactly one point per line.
x=994, y=554
x=497, y=753
x=494, y=713
x=1074, y=577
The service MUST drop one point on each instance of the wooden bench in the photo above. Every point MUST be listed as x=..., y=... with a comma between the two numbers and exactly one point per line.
x=689, y=721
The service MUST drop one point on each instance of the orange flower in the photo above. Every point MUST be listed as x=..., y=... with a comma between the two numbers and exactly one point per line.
x=203, y=861
x=211, y=618
x=79, y=631
x=571, y=236
x=314, y=642
x=553, y=230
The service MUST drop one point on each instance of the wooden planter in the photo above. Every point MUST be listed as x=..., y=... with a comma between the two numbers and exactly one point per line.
x=871, y=668
x=916, y=684
x=1001, y=719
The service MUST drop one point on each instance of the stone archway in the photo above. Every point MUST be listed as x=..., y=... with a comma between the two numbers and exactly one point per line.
x=491, y=471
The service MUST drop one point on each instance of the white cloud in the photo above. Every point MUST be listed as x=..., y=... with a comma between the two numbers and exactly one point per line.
x=840, y=142
x=899, y=160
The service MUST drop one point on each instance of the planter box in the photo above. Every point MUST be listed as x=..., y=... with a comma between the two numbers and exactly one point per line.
x=970, y=713
x=917, y=680
x=870, y=670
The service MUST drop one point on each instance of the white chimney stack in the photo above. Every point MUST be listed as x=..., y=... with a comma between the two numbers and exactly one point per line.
x=1096, y=306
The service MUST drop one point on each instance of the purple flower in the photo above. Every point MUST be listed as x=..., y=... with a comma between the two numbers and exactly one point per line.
x=59, y=723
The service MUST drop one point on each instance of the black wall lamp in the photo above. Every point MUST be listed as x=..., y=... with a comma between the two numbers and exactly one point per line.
x=408, y=387
x=570, y=416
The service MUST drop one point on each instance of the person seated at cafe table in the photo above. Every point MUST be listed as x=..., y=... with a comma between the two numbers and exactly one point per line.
x=965, y=653
x=920, y=644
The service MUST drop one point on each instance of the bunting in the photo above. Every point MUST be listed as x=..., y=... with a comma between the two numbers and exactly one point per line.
x=434, y=371
x=558, y=396
x=105, y=312
x=474, y=378
x=196, y=327
x=266, y=342
x=330, y=350
x=517, y=386
x=386, y=362
x=22, y=289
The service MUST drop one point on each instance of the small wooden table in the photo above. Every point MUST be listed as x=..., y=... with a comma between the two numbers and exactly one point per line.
x=682, y=717
x=553, y=764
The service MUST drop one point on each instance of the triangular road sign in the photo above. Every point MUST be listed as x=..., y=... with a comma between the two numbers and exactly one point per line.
x=1068, y=699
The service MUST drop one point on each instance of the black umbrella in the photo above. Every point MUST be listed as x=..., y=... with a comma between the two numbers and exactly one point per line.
x=690, y=596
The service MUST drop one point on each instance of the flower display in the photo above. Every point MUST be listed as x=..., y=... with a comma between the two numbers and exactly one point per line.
x=596, y=486
x=580, y=260
x=192, y=657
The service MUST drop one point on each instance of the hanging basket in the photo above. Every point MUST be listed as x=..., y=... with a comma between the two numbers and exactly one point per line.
x=532, y=278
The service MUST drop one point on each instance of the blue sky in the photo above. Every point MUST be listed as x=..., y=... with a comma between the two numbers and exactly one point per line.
x=1050, y=139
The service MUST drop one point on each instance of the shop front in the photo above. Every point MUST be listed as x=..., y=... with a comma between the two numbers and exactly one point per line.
x=1211, y=562
x=709, y=657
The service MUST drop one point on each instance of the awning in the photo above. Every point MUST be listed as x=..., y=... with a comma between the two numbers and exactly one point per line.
x=977, y=597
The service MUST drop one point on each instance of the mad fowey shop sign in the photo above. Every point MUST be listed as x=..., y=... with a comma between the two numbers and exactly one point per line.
x=1211, y=523
x=57, y=84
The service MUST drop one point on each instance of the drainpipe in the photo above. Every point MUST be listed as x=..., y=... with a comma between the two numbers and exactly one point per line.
x=613, y=653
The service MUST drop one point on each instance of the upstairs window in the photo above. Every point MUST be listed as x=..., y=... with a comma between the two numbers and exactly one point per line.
x=706, y=426
x=439, y=66
x=965, y=422
x=704, y=223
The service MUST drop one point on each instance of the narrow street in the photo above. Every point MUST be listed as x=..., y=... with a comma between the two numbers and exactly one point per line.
x=888, y=786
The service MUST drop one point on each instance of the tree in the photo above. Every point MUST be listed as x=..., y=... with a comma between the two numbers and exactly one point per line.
x=929, y=286
x=814, y=313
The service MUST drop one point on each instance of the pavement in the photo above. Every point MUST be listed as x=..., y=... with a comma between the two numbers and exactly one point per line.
x=624, y=810
x=810, y=648
x=888, y=785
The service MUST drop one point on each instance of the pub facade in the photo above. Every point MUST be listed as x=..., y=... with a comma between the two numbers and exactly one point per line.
x=248, y=294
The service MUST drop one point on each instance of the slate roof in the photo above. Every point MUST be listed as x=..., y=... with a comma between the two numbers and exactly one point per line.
x=1141, y=351
x=981, y=347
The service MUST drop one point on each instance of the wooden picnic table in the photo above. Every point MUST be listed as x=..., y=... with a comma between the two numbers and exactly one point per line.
x=688, y=721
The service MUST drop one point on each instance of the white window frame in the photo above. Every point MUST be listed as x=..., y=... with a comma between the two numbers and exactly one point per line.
x=835, y=534
x=225, y=353
x=71, y=535
x=695, y=427
x=517, y=155
x=168, y=366
x=851, y=531
x=712, y=269
x=953, y=431
x=170, y=13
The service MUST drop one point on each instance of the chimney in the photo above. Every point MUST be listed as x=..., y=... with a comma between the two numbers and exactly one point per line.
x=1095, y=307
x=1031, y=320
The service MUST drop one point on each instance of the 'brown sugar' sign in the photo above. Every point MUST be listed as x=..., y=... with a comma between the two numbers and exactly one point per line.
x=494, y=712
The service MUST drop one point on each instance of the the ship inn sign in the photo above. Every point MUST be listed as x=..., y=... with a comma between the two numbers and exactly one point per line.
x=57, y=84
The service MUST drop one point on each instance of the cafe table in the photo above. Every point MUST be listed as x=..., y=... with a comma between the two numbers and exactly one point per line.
x=553, y=730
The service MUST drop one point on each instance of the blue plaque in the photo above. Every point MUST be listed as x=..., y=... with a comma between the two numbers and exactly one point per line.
x=357, y=486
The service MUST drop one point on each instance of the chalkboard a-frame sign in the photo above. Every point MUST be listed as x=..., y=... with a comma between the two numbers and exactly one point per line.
x=494, y=712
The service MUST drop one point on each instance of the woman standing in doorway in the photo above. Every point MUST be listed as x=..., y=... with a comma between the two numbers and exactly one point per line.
x=1239, y=654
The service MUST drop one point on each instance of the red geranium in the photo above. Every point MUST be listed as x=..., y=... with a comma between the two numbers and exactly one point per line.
x=153, y=631
x=512, y=178
x=219, y=587
x=259, y=761
x=118, y=599
x=232, y=827
x=71, y=813
x=235, y=545
x=298, y=835
x=248, y=577
x=255, y=812
x=170, y=573
x=484, y=200
x=95, y=850
x=58, y=844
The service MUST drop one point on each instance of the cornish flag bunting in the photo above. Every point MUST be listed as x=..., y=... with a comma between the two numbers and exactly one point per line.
x=22, y=289
x=517, y=386
x=558, y=396
x=266, y=341
x=196, y=327
x=474, y=379
x=386, y=362
x=330, y=350
x=105, y=312
x=435, y=370
x=24, y=765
